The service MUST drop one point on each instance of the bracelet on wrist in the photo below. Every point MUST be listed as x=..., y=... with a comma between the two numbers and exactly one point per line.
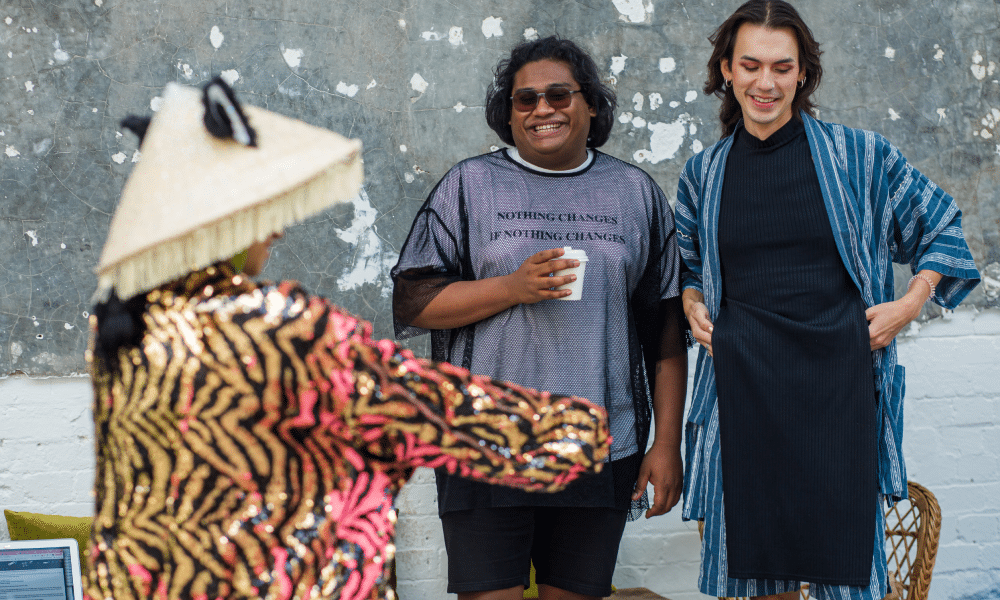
x=925, y=279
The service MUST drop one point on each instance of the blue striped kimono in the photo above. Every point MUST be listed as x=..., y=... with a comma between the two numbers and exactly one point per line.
x=882, y=210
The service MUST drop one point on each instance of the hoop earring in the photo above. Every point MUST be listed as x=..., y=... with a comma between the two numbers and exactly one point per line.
x=726, y=84
x=802, y=82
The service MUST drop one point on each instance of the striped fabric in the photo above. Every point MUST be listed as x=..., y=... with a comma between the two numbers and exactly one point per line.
x=902, y=217
x=882, y=210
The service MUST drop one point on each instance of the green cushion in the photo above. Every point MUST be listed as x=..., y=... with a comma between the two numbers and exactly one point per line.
x=34, y=526
x=532, y=590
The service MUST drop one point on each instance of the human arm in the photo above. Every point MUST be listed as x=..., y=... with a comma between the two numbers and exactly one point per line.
x=925, y=228
x=925, y=233
x=662, y=465
x=406, y=412
x=689, y=205
x=698, y=318
x=660, y=319
x=436, y=286
x=886, y=320
x=462, y=303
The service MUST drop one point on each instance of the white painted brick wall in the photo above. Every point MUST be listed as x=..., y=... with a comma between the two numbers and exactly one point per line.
x=952, y=446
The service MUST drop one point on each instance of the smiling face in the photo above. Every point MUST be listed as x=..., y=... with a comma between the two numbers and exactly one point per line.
x=551, y=138
x=765, y=74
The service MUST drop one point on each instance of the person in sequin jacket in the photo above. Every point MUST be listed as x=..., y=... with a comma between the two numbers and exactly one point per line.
x=251, y=439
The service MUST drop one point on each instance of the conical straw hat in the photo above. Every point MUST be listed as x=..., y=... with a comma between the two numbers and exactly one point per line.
x=194, y=199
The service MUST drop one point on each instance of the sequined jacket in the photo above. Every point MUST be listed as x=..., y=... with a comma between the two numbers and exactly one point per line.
x=252, y=445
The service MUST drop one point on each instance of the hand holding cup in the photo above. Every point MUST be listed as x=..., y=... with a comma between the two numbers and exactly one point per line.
x=535, y=279
x=576, y=285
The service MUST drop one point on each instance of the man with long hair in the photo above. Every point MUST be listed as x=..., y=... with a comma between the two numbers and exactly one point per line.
x=788, y=228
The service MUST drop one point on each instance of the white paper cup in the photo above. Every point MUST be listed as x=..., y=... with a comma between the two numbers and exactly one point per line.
x=575, y=286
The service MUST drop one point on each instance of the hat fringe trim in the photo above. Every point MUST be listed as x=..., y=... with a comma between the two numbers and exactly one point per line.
x=221, y=240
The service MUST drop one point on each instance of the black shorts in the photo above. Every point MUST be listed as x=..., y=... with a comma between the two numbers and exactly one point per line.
x=574, y=549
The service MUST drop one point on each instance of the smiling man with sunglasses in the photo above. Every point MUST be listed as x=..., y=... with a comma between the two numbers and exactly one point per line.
x=478, y=271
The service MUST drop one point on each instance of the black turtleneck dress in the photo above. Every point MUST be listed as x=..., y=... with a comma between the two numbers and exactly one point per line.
x=797, y=408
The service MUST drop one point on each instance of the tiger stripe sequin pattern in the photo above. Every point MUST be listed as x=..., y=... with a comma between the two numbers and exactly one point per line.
x=253, y=444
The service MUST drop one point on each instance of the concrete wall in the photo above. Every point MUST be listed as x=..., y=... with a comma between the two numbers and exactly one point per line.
x=952, y=445
x=408, y=78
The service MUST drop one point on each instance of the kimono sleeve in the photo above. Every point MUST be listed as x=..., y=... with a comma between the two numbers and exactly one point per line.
x=927, y=229
x=406, y=412
x=433, y=255
x=686, y=216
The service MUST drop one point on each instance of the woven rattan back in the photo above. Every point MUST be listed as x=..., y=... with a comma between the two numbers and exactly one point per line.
x=912, y=532
x=913, y=529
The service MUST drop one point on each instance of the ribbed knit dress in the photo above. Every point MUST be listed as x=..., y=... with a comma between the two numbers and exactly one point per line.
x=797, y=406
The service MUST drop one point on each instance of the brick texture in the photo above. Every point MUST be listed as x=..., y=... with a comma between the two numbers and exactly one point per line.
x=952, y=446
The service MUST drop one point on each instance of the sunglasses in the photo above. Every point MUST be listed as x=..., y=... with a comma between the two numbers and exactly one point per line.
x=555, y=97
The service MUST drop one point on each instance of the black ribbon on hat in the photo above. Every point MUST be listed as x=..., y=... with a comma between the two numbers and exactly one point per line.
x=224, y=116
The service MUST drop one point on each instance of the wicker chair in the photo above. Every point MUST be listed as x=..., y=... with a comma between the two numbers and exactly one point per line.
x=912, y=531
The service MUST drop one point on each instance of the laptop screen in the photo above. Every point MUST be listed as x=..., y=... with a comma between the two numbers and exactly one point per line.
x=40, y=570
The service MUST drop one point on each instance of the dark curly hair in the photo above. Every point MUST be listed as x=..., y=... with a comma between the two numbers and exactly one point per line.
x=772, y=14
x=598, y=96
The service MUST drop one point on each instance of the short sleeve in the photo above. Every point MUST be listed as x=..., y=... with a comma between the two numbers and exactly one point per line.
x=656, y=298
x=433, y=256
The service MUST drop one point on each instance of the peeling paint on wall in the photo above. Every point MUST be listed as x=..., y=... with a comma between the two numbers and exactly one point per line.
x=293, y=57
x=492, y=27
x=634, y=11
x=372, y=263
x=59, y=54
x=418, y=83
x=979, y=70
x=666, y=139
x=215, y=37
x=348, y=90
x=989, y=123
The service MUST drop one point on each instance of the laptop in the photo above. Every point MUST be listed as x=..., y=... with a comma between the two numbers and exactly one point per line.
x=40, y=570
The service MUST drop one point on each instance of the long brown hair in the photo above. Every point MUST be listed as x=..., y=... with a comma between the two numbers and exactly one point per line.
x=772, y=14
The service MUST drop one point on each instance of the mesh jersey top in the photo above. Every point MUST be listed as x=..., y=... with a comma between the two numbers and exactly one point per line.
x=488, y=214
x=252, y=444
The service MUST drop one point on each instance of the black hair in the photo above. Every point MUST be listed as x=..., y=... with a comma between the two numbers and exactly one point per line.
x=597, y=95
x=772, y=14
x=119, y=325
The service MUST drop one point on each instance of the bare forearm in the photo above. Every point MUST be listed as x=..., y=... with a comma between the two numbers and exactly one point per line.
x=668, y=400
x=919, y=291
x=465, y=302
x=886, y=320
